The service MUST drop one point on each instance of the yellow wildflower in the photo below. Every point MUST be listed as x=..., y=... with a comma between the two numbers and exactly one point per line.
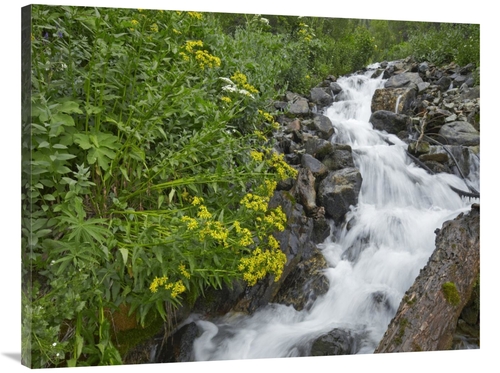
x=226, y=99
x=256, y=156
x=195, y=15
x=203, y=212
x=255, y=202
x=184, y=272
x=197, y=201
x=177, y=289
x=158, y=281
x=154, y=27
x=191, y=222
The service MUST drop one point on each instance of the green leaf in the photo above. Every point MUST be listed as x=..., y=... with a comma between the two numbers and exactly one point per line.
x=79, y=345
x=64, y=119
x=124, y=253
x=82, y=140
x=69, y=107
x=124, y=173
x=171, y=195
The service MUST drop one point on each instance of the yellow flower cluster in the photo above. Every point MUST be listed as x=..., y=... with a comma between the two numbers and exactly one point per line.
x=197, y=201
x=176, y=31
x=216, y=230
x=134, y=22
x=226, y=99
x=304, y=32
x=195, y=15
x=246, y=237
x=203, y=212
x=284, y=170
x=260, y=135
x=241, y=80
x=268, y=118
x=203, y=57
x=154, y=27
x=255, y=202
x=206, y=59
x=158, y=281
x=276, y=218
x=184, y=272
x=191, y=222
x=190, y=44
x=256, y=156
x=268, y=188
x=260, y=263
x=175, y=288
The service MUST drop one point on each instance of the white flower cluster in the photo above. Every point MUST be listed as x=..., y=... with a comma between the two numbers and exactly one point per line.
x=231, y=87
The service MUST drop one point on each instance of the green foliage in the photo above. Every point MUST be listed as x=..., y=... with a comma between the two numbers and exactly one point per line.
x=136, y=117
x=448, y=43
x=451, y=293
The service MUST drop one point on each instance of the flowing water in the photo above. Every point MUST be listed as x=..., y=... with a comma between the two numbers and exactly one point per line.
x=371, y=264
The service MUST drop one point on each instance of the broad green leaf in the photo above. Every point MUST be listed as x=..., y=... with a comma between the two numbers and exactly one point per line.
x=69, y=107
x=64, y=119
x=82, y=140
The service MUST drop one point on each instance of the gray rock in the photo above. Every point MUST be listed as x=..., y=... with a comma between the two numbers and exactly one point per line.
x=404, y=80
x=317, y=168
x=299, y=107
x=460, y=133
x=323, y=125
x=339, y=157
x=338, y=191
x=390, y=122
x=321, y=97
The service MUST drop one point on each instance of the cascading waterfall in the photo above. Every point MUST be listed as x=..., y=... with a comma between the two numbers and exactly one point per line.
x=371, y=264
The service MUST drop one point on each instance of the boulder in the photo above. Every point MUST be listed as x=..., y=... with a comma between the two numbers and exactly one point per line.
x=338, y=191
x=404, y=80
x=305, y=283
x=318, y=147
x=336, y=342
x=388, y=99
x=339, y=157
x=321, y=97
x=390, y=122
x=459, y=133
x=322, y=125
x=299, y=107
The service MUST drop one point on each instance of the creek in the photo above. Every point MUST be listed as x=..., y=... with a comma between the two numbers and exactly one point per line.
x=373, y=257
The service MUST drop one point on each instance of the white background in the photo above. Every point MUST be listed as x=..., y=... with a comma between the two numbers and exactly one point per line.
x=483, y=12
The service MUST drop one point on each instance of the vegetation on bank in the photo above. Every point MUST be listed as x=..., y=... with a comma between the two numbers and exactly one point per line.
x=148, y=158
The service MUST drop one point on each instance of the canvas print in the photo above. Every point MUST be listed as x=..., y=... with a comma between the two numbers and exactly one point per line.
x=202, y=186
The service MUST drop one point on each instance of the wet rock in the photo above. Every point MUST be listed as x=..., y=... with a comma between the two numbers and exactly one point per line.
x=336, y=342
x=321, y=97
x=317, y=168
x=338, y=191
x=390, y=122
x=305, y=283
x=304, y=189
x=322, y=125
x=419, y=148
x=318, y=147
x=339, y=157
x=387, y=99
x=179, y=347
